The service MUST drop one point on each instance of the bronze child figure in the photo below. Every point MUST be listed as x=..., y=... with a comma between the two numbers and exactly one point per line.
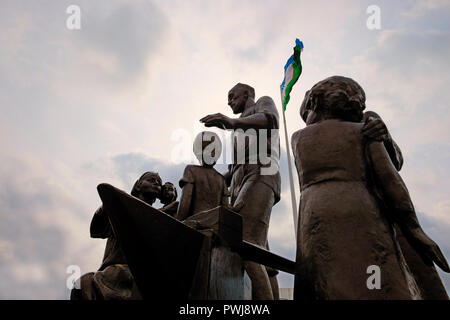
x=203, y=188
x=169, y=198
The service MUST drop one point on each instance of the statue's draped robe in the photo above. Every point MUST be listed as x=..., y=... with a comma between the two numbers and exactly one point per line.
x=342, y=229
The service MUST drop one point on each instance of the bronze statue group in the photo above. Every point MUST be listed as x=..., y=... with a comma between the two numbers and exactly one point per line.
x=354, y=212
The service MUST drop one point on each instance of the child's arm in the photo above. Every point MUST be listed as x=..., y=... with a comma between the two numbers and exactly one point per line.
x=185, y=202
x=187, y=190
x=100, y=226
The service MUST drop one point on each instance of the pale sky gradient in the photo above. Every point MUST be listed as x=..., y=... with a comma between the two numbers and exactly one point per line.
x=101, y=104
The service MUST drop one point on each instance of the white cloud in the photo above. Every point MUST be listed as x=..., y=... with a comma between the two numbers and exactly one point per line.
x=100, y=104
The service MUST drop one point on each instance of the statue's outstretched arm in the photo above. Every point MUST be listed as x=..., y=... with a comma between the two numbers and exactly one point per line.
x=401, y=208
x=254, y=121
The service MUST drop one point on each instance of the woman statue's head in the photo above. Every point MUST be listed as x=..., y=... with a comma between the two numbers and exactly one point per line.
x=334, y=98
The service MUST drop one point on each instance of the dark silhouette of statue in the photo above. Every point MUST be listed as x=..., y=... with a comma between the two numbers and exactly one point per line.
x=253, y=190
x=113, y=280
x=352, y=199
x=203, y=188
x=426, y=276
x=374, y=128
x=169, y=199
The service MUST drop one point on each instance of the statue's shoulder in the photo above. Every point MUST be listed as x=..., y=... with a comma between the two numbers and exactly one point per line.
x=267, y=105
x=295, y=138
x=266, y=100
x=296, y=135
x=192, y=168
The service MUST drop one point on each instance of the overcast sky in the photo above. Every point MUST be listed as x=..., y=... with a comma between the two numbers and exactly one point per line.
x=107, y=102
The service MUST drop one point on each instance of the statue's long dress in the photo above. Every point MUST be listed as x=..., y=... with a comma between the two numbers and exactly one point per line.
x=342, y=230
x=113, y=280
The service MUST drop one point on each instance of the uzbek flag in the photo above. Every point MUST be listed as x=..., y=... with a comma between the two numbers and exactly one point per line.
x=292, y=71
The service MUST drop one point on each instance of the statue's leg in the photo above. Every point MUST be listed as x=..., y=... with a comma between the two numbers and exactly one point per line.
x=274, y=285
x=273, y=278
x=257, y=199
x=261, y=288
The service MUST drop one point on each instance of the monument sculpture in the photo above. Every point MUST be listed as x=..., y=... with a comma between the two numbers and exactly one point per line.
x=113, y=280
x=253, y=194
x=203, y=188
x=168, y=198
x=152, y=255
x=355, y=213
x=352, y=199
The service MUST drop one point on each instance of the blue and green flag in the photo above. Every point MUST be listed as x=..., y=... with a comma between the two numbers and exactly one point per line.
x=292, y=71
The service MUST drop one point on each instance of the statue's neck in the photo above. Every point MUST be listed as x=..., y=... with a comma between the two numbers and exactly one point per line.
x=249, y=103
x=147, y=199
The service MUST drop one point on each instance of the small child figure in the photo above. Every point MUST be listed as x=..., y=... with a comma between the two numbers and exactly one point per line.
x=203, y=188
x=169, y=199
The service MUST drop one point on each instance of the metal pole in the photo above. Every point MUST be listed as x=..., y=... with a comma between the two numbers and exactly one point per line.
x=291, y=179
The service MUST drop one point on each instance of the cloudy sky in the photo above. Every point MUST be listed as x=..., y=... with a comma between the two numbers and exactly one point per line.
x=117, y=97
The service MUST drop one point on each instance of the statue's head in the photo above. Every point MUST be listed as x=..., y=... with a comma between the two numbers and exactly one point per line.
x=168, y=193
x=238, y=97
x=207, y=148
x=335, y=97
x=305, y=107
x=147, y=187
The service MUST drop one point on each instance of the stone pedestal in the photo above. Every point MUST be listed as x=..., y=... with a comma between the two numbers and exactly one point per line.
x=220, y=273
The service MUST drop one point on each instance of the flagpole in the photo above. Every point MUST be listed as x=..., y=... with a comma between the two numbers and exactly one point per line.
x=291, y=178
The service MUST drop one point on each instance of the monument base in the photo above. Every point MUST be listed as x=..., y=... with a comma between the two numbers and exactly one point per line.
x=220, y=273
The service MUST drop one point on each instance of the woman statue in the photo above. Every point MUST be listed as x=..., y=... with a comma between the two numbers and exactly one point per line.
x=114, y=280
x=351, y=198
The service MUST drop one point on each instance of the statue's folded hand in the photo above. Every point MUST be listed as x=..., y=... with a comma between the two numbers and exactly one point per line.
x=375, y=129
x=428, y=249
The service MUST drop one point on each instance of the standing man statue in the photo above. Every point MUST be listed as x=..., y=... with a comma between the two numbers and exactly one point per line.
x=254, y=175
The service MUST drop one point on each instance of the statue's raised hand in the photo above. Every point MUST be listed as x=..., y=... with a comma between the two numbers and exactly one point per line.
x=218, y=120
x=375, y=128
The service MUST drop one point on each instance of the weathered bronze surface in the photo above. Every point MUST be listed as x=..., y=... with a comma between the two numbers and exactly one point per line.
x=352, y=197
x=252, y=194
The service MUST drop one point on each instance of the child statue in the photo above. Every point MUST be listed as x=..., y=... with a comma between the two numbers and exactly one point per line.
x=203, y=188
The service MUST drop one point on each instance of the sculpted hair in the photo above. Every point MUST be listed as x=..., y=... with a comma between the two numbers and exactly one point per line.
x=305, y=106
x=136, y=187
x=336, y=97
x=250, y=90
